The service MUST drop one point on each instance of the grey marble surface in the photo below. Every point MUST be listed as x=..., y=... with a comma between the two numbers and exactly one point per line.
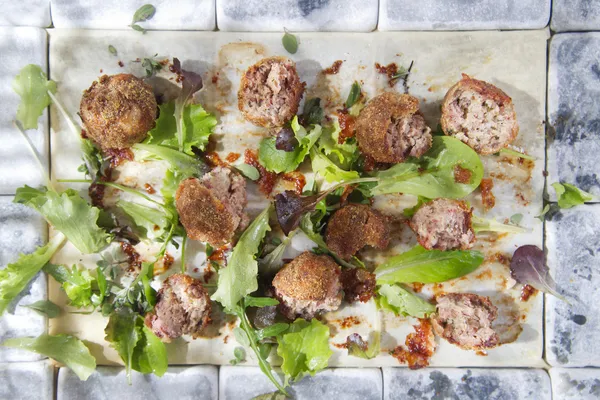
x=27, y=381
x=181, y=383
x=459, y=383
x=573, y=112
x=244, y=383
x=573, y=330
x=25, y=13
x=575, y=15
x=19, y=47
x=117, y=14
x=297, y=15
x=463, y=14
x=21, y=231
x=575, y=383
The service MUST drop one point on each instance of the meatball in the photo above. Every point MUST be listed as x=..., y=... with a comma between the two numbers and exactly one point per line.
x=211, y=209
x=182, y=308
x=480, y=115
x=270, y=92
x=465, y=319
x=118, y=111
x=308, y=285
x=444, y=224
x=391, y=128
x=355, y=226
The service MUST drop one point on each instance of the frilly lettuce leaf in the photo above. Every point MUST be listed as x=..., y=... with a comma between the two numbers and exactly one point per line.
x=150, y=221
x=345, y=153
x=400, y=301
x=328, y=169
x=32, y=86
x=76, y=282
x=569, y=196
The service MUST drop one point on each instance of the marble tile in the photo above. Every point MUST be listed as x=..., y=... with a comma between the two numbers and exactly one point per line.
x=297, y=15
x=458, y=383
x=575, y=15
x=400, y=15
x=27, y=381
x=181, y=383
x=575, y=383
x=19, y=47
x=25, y=13
x=117, y=14
x=573, y=330
x=22, y=230
x=244, y=383
x=573, y=113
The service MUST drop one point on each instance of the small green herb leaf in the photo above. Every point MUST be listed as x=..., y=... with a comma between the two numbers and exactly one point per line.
x=138, y=28
x=260, y=301
x=45, y=307
x=354, y=95
x=240, y=356
x=248, y=171
x=516, y=218
x=143, y=13
x=112, y=50
x=570, y=196
x=290, y=43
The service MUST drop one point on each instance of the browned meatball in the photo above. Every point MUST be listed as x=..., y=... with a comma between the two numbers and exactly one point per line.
x=465, y=319
x=355, y=226
x=444, y=224
x=270, y=92
x=118, y=111
x=480, y=115
x=182, y=308
x=211, y=209
x=308, y=285
x=391, y=128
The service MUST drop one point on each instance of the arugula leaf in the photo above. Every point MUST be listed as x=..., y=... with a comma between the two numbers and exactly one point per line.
x=16, y=276
x=32, y=85
x=123, y=334
x=272, y=330
x=304, y=349
x=240, y=277
x=274, y=260
x=328, y=169
x=44, y=307
x=400, y=301
x=147, y=219
x=427, y=266
x=570, y=196
x=68, y=213
x=150, y=354
x=357, y=347
x=66, y=349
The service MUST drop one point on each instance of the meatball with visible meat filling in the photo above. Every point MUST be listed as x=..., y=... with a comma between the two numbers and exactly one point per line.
x=480, y=115
x=308, y=285
x=118, y=111
x=355, y=226
x=391, y=128
x=444, y=224
x=211, y=209
x=465, y=319
x=182, y=308
x=270, y=92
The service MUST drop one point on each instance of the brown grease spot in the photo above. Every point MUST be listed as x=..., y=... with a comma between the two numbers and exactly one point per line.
x=213, y=159
x=334, y=69
x=297, y=179
x=348, y=322
x=346, y=122
x=419, y=346
x=389, y=70
x=527, y=291
x=149, y=189
x=133, y=257
x=266, y=180
x=487, y=197
x=232, y=157
x=118, y=156
x=462, y=175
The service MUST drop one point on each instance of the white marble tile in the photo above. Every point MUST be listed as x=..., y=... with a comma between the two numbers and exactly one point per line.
x=22, y=230
x=455, y=383
x=181, y=383
x=462, y=15
x=573, y=330
x=244, y=383
x=297, y=15
x=575, y=383
x=19, y=47
x=25, y=13
x=27, y=381
x=573, y=113
x=117, y=14
x=575, y=15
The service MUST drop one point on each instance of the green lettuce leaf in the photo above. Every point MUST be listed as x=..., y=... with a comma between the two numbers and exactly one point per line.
x=183, y=164
x=146, y=219
x=32, y=85
x=68, y=213
x=304, y=349
x=239, y=278
x=44, y=307
x=66, y=349
x=16, y=276
x=400, y=301
x=427, y=266
x=150, y=354
x=328, y=169
x=357, y=347
x=570, y=196
x=76, y=282
x=345, y=153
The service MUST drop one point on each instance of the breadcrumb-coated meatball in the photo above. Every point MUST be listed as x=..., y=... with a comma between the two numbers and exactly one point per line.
x=118, y=111
x=465, y=319
x=391, y=128
x=182, y=308
x=355, y=226
x=308, y=285
x=444, y=224
x=479, y=114
x=211, y=209
x=270, y=92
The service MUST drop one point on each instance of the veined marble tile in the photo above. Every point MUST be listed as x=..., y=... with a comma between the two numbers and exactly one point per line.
x=575, y=383
x=27, y=381
x=573, y=330
x=25, y=13
x=575, y=15
x=19, y=47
